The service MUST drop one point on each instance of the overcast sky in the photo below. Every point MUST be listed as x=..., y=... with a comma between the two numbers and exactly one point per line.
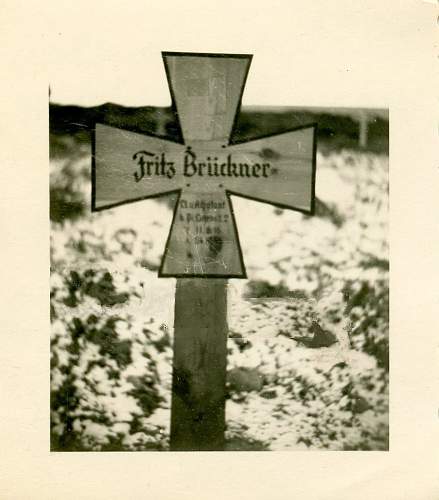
x=304, y=54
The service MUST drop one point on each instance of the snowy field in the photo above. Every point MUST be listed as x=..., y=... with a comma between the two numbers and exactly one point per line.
x=308, y=339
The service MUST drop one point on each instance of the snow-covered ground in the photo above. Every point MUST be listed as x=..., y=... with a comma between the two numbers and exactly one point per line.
x=308, y=346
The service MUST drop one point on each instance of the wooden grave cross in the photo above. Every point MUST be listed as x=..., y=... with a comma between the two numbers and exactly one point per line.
x=203, y=250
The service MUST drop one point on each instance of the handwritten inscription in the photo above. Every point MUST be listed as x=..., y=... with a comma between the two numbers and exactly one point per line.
x=203, y=223
x=204, y=231
x=151, y=164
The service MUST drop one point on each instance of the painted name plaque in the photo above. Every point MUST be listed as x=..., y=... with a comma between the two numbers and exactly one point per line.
x=207, y=168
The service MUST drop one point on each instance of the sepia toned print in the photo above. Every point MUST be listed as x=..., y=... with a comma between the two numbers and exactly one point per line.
x=305, y=332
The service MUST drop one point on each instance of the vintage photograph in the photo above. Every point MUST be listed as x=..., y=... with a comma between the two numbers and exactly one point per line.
x=219, y=250
x=219, y=274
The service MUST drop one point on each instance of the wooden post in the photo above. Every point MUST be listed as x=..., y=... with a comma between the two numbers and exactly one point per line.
x=199, y=367
x=364, y=122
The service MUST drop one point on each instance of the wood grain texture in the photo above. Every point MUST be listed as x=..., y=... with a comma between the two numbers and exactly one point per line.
x=199, y=366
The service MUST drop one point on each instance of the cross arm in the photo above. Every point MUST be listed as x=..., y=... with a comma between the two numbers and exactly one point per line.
x=128, y=167
x=278, y=169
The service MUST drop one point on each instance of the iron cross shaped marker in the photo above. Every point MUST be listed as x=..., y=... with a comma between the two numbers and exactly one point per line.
x=207, y=168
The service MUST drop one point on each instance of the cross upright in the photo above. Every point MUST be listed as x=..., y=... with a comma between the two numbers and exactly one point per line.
x=203, y=169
